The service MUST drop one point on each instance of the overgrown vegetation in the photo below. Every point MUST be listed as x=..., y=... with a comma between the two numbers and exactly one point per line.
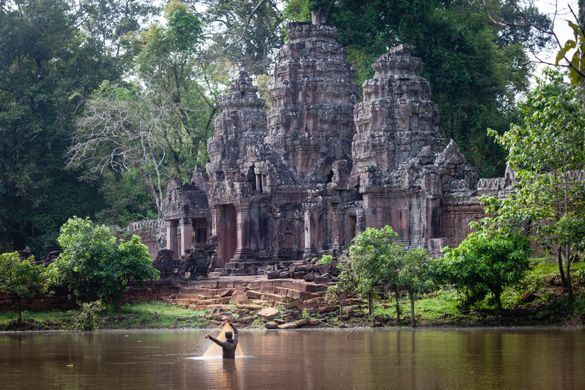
x=377, y=264
x=95, y=264
x=139, y=315
x=21, y=279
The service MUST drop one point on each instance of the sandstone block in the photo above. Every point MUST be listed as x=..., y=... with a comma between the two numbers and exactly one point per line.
x=268, y=313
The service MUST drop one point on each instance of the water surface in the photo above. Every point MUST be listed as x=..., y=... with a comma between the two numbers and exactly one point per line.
x=283, y=360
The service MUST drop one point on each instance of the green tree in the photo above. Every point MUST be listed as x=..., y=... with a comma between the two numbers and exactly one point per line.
x=48, y=65
x=485, y=262
x=547, y=153
x=157, y=127
x=21, y=278
x=246, y=32
x=414, y=275
x=95, y=264
x=374, y=257
x=346, y=283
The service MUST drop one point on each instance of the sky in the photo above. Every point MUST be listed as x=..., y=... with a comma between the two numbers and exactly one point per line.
x=561, y=27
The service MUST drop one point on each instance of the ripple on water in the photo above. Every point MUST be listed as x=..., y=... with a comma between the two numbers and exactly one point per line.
x=216, y=357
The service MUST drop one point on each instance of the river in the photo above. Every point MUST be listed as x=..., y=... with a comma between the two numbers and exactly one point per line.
x=301, y=359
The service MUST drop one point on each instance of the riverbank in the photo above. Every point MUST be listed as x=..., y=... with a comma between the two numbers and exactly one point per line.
x=538, y=301
x=436, y=310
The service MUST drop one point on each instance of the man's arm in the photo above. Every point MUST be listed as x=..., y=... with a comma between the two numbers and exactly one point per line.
x=220, y=343
x=234, y=329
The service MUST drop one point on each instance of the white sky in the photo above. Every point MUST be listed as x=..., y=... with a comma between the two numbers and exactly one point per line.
x=561, y=27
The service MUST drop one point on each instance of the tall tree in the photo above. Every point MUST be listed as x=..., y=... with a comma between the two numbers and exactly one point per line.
x=157, y=127
x=547, y=152
x=47, y=65
x=246, y=32
x=21, y=279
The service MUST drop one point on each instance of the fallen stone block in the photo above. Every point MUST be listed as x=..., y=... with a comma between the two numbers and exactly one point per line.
x=226, y=293
x=271, y=325
x=239, y=297
x=268, y=313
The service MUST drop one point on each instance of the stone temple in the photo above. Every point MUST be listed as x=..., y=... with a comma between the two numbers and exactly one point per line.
x=305, y=176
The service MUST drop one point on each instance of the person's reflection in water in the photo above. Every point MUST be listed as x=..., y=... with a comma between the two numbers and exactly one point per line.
x=229, y=374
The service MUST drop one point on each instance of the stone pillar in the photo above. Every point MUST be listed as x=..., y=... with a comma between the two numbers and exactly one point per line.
x=337, y=228
x=258, y=183
x=172, y=235
x=312, y=229
x=243, y=233
x=186, y=235
x=214, y=221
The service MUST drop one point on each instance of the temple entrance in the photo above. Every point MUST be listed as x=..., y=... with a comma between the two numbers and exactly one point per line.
x=226, y=233
x=201, y=230
x=351, y=226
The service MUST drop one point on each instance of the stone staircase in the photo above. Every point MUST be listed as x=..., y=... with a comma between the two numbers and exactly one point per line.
x=246, y=291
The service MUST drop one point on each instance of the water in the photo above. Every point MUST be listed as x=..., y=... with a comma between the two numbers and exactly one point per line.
x=282, y=360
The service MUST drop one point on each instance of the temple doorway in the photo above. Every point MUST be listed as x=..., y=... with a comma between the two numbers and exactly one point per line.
x=226, y=233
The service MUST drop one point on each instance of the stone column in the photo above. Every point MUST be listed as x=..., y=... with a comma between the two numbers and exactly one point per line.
x=312, y=233
x=214, y=221
x=337, y=227
x=186, y=235
x=172, y=235
x=243, y=232
x=258, y=183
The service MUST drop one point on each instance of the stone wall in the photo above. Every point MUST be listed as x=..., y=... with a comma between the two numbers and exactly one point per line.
x=152, y=233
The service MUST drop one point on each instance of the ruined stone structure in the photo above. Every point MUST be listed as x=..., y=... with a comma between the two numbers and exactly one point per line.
x=304, y=177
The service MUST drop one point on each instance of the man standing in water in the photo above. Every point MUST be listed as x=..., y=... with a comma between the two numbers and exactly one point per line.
x=229, y=345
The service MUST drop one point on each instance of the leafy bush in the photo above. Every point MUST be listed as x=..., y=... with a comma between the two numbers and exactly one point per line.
x=485, y=263
x=95, y=264
x=21, y=278
x=88, y=317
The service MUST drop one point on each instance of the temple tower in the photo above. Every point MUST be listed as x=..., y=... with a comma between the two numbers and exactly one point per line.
x=312, y=98
x=396, y=118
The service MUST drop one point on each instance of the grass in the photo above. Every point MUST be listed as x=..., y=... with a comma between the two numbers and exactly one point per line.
x=138, y=315
x=153, y=315
x=539, y=298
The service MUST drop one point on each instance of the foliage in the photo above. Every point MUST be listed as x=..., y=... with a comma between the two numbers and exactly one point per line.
x=95, y=264
x=157, y=127
x=547, y=151
x=376, y=260
x=88, y=316
x=346, y=283
x=414, y=275
x=245, y=32
x=485, y=262
x=326, y=259
x=572, y=52
x=47, y=65
x=21, y=278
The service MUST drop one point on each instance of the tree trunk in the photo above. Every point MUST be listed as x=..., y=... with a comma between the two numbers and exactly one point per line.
x=411, y=296
x=370, y=304
x=18, y=311
x=397, y=298
x=497, y=296
x=569, y=287
x=561, y=270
